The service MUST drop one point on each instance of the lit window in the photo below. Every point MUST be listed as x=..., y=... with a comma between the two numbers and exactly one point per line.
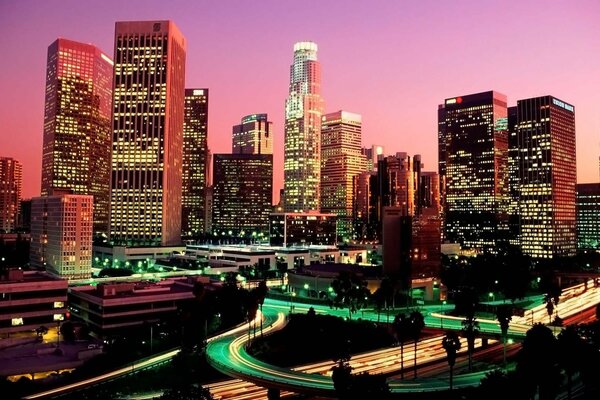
x=17, y=321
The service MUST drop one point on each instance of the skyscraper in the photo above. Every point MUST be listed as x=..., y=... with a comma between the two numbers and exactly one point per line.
x=148, y=106
x=10, y=193
x=341, y=161
x=253, y=135
x=242, y=194
x=243, y=181
x=61, y=234
x=547, y=176
x=195, y=161
x=302, y=148
x=473, y=168
x=588, y=216
x=77, y=124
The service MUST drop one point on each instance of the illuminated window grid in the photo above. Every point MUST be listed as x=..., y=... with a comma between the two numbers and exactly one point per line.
x=147, y=136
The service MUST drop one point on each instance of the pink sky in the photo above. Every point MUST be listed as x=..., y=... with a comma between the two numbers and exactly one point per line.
x=391, y=61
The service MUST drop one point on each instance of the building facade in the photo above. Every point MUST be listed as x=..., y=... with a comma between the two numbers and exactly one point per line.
x=302, y=229
x=11, y=175
x=30, y=299
x=341, y=162
x=242, y=194
x=61, y=234
x=302, y=147
x=115, y=307
x=547, y=177
x=253, y=135
x=77, y=124
x=474, y=169
x=149, y=90
x=588, y=216
x=195, y=162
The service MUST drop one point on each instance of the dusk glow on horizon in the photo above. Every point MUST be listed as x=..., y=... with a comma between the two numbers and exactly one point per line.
x=391, y=62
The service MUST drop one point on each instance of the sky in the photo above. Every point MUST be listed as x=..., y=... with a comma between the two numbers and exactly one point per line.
x=391, y=61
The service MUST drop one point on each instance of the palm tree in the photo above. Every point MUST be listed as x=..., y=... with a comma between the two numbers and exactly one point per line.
x=451, y=343
x=417, y=323
x=261, y=293
x=504, y=315
x=570, y=353
x=401, y=327
x=470, y=330
x=537, y=362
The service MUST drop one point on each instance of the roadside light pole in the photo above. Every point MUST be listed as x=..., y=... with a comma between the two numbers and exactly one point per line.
x=441, y=311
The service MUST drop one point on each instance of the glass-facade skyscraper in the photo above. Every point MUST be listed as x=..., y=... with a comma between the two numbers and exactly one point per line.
x=148, y=108
x=547, y=176
x=302, y=145
x=195, y=162
x=473, y=165
x=77, y=124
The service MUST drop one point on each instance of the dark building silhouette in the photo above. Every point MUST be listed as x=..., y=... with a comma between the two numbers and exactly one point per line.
x=195, y=162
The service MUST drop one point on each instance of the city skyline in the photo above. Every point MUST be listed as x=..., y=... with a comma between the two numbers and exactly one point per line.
x=470, y=48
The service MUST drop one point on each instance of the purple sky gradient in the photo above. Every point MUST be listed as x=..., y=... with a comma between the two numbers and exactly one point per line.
x=391, y=61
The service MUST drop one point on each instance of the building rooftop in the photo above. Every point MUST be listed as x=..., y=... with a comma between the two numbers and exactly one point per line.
x=16, y=275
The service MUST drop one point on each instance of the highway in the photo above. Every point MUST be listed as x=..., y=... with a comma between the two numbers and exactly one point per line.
x=240, y=364
x=573, y=300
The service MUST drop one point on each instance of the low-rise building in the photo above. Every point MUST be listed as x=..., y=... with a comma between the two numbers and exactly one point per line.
x=30, y=299
x=302, y=229
x=112, y=307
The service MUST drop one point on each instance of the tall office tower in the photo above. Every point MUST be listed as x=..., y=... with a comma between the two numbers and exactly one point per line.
x=148, y=112
x=373, y=154
x=364, y=226
x=547, y=176
x=442, y=154
x=77, y=124
x=474, y=137
x=253, y=135
x=302, y=148
x=426, y=227
x=398, y=177
x=10, y=193
x=588, y=216
x=25, y=215
x=61, y=234
x=514, y=225
x=429, y=190
x=242, y=194
x=195, y=162
x=341, y=161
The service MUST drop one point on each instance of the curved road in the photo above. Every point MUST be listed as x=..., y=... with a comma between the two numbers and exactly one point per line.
x=229, y=356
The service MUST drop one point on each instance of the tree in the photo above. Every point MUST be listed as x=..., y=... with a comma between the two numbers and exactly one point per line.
x=401, y=327
x=537, y=362
x=570, y=346
x=350, y=291
x=451, y=343
x=504, y=316
x=261, y=293
x=470, y=330
x=41, y=331
x=189, y=392
x=417, y=323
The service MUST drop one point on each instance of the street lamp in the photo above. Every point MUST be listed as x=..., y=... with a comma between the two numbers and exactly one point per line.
x=491, y=296
x=292, y=294
x=441, y=311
